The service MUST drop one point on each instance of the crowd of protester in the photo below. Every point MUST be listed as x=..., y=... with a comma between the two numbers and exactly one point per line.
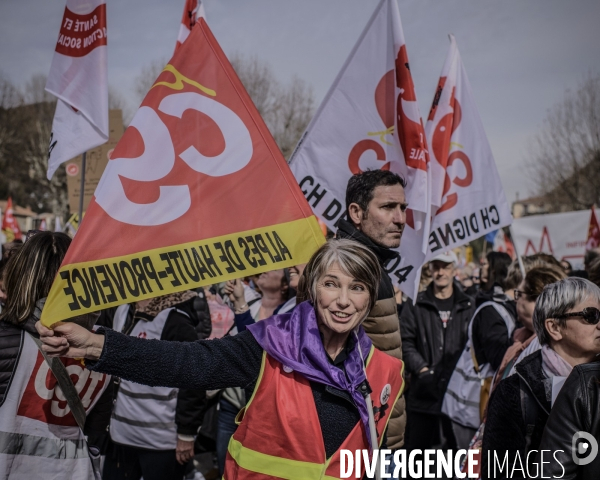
x=485, y=349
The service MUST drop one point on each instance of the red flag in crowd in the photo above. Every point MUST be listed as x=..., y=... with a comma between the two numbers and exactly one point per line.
x=192, y=11
x=78, y=77
x=467, y=198
x=593, y=238
x=196, y=192
x=502, y=243
x=10, y=227
x=370, y=120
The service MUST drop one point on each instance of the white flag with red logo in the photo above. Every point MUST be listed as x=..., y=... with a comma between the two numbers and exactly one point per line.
x=192, y=11
x=370, y=120
x=467, y=197
x=78, y=77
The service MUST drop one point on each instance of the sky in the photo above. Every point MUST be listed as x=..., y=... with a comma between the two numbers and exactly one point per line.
x=520, y=56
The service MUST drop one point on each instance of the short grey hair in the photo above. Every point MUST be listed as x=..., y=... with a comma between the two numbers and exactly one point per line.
x=557, y=299
x=353, y=258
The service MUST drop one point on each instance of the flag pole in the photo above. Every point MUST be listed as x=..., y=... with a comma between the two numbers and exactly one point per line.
x=521, y=265
x=82, y=188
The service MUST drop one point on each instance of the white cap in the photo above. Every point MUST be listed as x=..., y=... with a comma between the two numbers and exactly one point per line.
x=446, y=257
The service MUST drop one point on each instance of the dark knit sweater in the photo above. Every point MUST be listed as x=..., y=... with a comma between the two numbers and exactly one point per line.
x=215, y=364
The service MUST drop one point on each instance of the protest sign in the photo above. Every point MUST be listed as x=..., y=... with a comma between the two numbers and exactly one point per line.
x=78, y=77
x=563, y=235
x=467, y=197
x=370, y=120
x=96, y=161
x=195, y=193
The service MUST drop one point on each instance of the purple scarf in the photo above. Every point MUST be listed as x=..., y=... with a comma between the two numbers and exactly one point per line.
x=293, y=339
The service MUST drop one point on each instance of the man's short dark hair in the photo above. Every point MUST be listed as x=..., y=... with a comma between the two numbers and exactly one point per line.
x=362, y=185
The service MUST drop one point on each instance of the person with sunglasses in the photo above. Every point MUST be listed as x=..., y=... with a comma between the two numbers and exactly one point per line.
x=525, y=339
x=565, y=320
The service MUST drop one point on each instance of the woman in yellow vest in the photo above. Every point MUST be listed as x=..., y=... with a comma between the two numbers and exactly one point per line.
x=318, y=385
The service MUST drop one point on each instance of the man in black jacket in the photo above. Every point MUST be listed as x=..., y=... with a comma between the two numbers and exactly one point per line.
x=434, y=333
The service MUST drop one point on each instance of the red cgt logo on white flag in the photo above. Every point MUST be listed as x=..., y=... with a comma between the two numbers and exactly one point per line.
x=467, y=197
x=78, y=77
x=193, y=10
x=370, y=120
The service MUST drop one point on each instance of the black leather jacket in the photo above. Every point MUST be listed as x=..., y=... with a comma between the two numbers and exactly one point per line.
x=576, y=409
x=516, y=417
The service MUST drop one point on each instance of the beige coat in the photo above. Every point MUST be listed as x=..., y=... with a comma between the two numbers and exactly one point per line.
x=383, y=328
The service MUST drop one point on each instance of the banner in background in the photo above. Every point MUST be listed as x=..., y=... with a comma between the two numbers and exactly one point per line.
x=370, y=120
x=467, y=197
x=563, y=235
x=95, y=163
x=195, y=193
x=78, y=77
x=192, y=11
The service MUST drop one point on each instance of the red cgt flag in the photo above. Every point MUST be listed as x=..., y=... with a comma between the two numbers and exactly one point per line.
x=195, y=193
x=10, y=227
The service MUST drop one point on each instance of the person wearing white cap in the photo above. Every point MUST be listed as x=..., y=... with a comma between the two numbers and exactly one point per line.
x=434, y=333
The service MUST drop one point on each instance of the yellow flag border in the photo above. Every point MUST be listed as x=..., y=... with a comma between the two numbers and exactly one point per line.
x=85, y=287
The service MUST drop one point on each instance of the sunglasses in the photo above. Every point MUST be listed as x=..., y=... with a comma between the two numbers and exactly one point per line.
x=521, y=293
x=591, y=315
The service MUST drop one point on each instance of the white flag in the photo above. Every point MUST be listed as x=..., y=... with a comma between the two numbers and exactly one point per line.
x=370, y=120
x=78, y=77
x=466, y=193
x=192, y=11
x=58, y=224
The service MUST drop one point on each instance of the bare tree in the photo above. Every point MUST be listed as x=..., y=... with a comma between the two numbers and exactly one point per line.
x=116, y=101
x=145, y=80
x=39, y=112
x=293, y=111
x=565, y=159
x=286, y=109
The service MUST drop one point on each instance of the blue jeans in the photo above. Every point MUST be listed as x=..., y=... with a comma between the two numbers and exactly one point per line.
x=390, y=468
x=226, y=427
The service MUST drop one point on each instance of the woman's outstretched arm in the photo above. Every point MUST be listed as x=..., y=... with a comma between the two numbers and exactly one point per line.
x=204, y=365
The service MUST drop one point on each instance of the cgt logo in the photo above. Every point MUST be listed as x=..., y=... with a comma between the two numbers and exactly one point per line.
x=157, y=161
x=44, y=400
x=584, y=448
x=406, y=116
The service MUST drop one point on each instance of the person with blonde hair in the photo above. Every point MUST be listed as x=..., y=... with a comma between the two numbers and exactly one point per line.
x=318, y=384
